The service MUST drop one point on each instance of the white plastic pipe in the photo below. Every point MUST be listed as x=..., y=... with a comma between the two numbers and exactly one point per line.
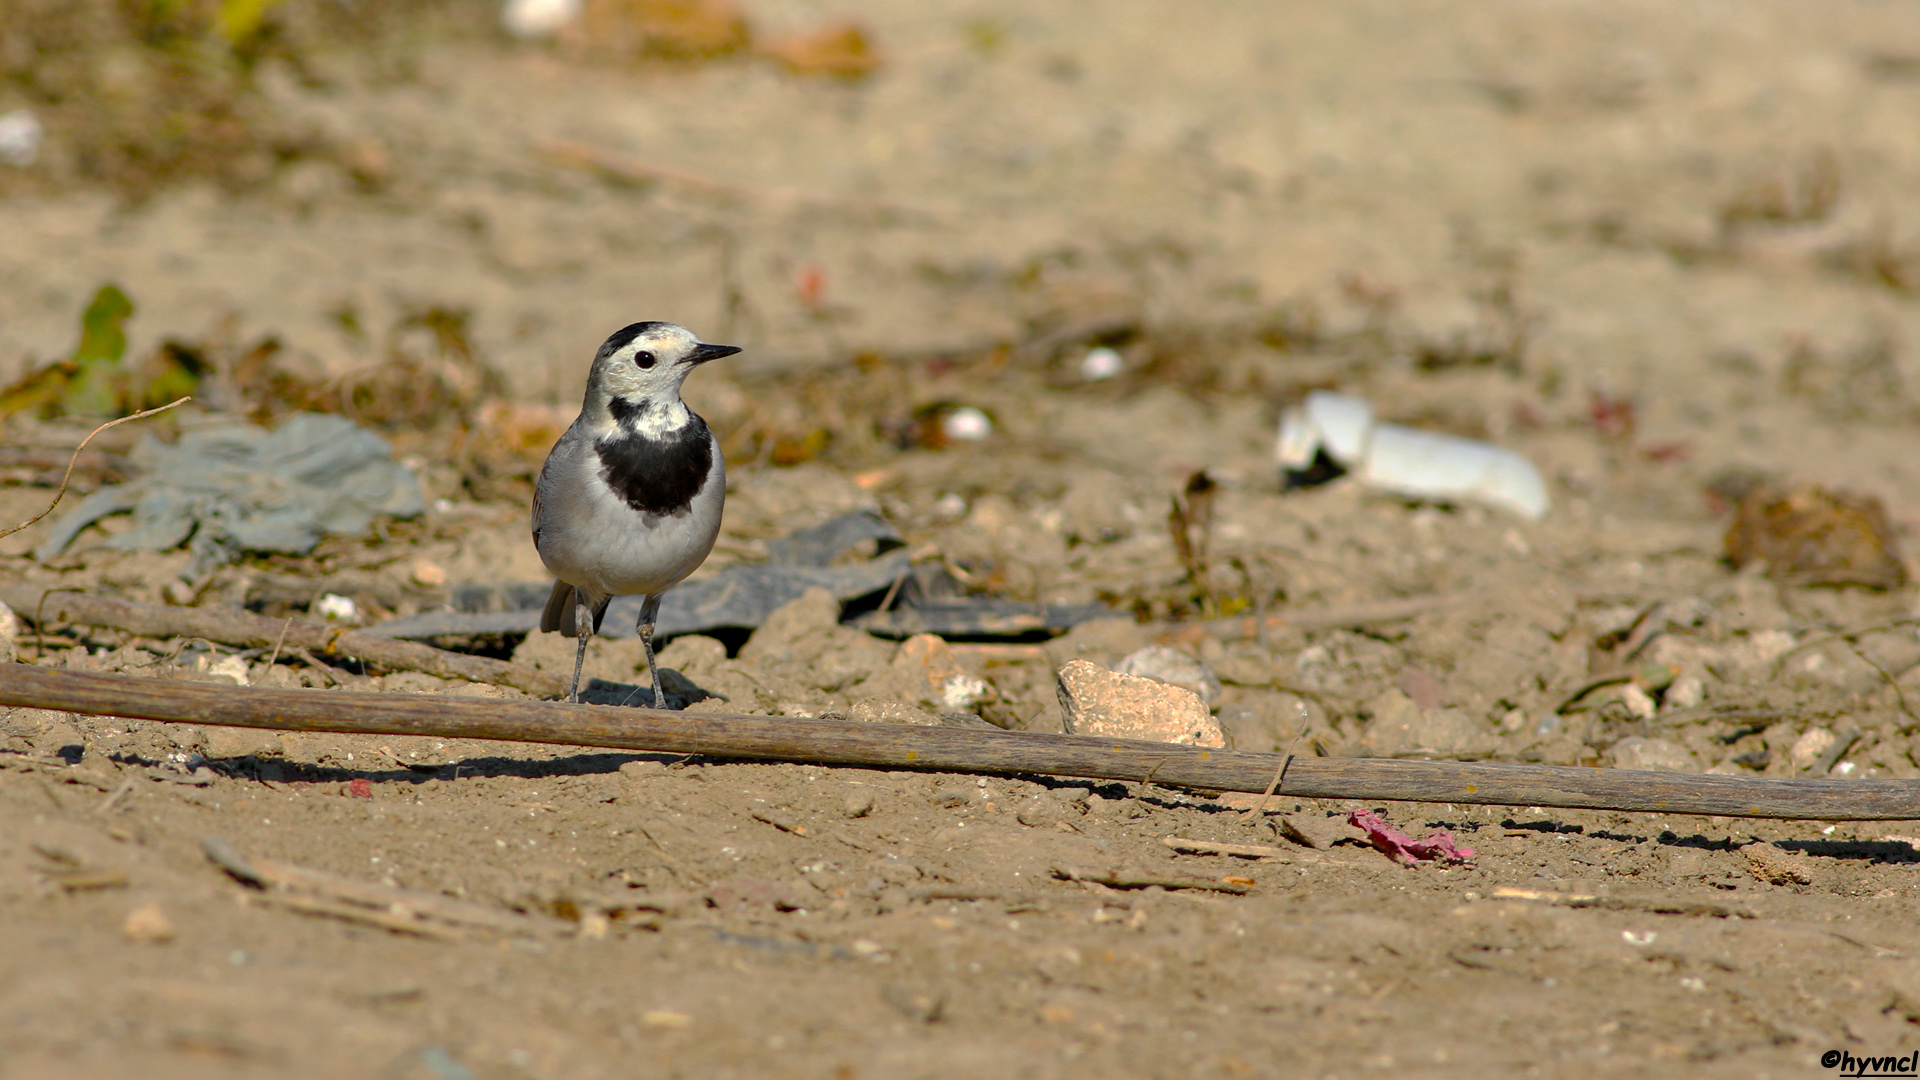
x=1406, y=461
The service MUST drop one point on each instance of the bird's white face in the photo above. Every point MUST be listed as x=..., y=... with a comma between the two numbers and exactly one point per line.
x=649, y=364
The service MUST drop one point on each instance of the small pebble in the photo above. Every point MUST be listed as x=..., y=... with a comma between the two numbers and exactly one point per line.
x=1687, y=692
x=1101, y=363
x=148, y=925
x=1639, y=703
x=857, y=804
x=334, y=606
x=1317, y=831
x=229, y=667
x=966, y=424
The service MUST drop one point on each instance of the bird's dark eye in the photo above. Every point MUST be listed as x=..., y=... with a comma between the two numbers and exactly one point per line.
x=643, y=360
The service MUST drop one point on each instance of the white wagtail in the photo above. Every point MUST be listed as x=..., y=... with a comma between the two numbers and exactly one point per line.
x=629, y=501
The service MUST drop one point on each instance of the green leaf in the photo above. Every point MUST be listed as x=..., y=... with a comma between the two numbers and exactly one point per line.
x=103, y=332
x=96, y=386
x=240, y=19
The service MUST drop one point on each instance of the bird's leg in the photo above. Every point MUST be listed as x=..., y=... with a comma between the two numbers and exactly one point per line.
x=582, y=629
x=648, y=612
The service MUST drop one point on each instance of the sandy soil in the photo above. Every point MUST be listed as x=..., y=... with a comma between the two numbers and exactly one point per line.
x=1648, y=245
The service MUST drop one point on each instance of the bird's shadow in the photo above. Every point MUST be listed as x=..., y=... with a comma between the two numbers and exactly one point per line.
x=680, y=692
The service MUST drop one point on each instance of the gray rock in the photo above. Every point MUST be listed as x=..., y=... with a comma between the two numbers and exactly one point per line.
x=1317, y=831
x=803, y=641
x=1635, y=752
x=883, y=711
x=1173, y=667
x=1102, y=641
x=1270, y=720
x=791, y=628
x=1402, y=729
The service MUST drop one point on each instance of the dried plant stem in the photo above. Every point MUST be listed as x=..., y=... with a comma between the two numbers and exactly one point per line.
x=64, y=480
x=231, y=626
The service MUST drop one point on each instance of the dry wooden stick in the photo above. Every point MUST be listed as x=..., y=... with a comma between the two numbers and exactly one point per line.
x=408, y=910
x=1342, y=616
x=903, y=746
x=1215, y=847
x=1127, y=879
x=231, y=626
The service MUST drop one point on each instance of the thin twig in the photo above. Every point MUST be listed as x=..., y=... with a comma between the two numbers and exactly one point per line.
x=1120, y=879
x=1589, y=687
x=1841, y=744
x=120, y=792
x=274, y=657
x=1147, y=781
x=1899, y=694
x=1215, y=847
x=239, y=627
x=1779, y=662
x=404, y=910
x=893, y=590
x=1278, y=774
x=39, y=626
x=58, y=495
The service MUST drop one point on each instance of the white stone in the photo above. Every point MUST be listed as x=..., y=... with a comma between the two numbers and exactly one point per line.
x=1687, y=692
x=229, y=667
x=334, y=606
x=1809, y=746
x=1639, y=703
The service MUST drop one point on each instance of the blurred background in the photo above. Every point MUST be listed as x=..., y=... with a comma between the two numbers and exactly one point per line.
x=1647, y=243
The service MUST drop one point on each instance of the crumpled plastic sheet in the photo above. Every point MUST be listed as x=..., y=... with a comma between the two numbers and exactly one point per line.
x=743, y=595
x=1398, y=845
x=740, y=595
x=239, y=487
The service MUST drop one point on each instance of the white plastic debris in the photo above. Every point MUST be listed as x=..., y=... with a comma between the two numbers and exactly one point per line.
x=531, y=20
x=333, y=606
x=1406, y=461
x=1101, y=363
x=20, y=136
x=966, y=424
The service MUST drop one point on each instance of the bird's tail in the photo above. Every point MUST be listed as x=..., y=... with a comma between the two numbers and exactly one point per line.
x=560, y=613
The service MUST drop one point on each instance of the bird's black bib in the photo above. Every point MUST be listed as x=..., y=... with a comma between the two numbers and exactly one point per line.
x=656, y=476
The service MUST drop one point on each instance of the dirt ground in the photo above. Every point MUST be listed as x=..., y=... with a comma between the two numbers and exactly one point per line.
x=1669, y=252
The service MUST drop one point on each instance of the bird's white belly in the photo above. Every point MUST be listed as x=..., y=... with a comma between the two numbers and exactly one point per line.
x=648, y=560
x=611, y=549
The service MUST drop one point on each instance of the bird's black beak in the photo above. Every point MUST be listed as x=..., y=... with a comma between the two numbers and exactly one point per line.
x=703, y=353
